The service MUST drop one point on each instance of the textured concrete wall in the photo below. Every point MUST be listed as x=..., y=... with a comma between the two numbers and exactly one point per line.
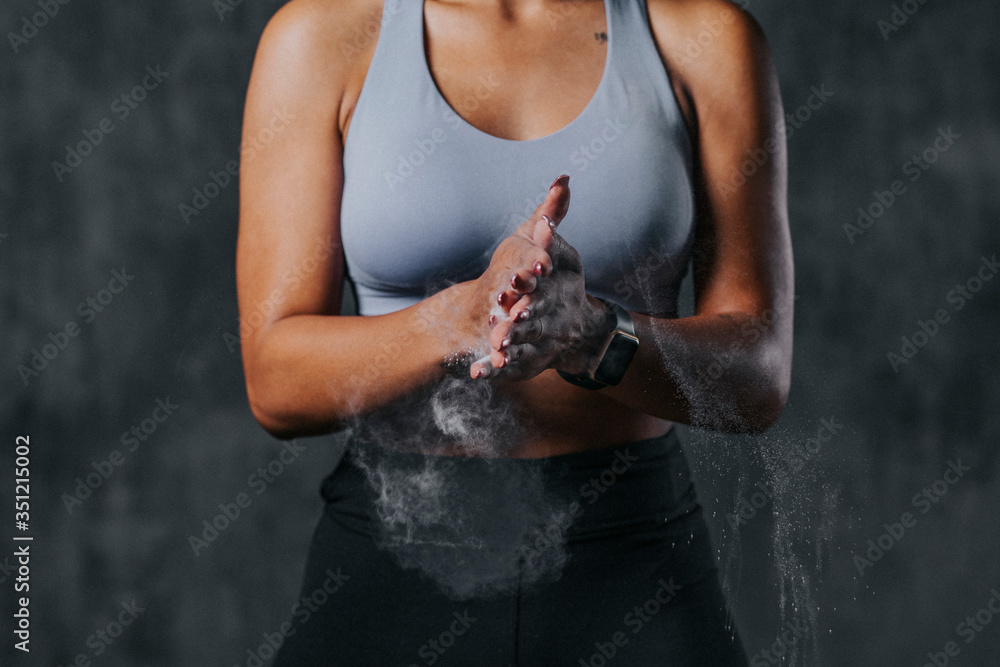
x=151, y=352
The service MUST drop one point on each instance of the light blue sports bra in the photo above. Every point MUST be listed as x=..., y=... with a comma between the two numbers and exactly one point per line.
x=409, y=227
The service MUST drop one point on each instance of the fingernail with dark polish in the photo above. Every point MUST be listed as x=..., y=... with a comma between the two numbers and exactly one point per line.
x=504, y=343
x=522, y=316
x=493, y=320
x=562, y=180
x=500, y=298
x=538, y=268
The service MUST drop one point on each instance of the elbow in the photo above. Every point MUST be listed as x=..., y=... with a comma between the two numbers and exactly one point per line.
x=766, y=394
x=766, y=398
x=287, y=399
x=273, y=421
x=768, y=404
x=271, y=406
x=275, y=397
x=750, y=408
x=269, y=413
x=754, y=405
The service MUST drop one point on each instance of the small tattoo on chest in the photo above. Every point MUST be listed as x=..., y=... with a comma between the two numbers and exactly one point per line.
x=601, y=37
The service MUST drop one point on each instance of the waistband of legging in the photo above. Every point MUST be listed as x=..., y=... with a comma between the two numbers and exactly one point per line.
x=636, y=485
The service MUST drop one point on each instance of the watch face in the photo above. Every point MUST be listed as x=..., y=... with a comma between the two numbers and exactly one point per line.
x=616, y=359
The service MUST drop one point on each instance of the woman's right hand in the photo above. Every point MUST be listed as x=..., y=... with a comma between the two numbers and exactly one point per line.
x=515, y=267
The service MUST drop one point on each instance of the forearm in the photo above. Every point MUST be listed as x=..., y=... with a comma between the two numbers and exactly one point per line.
x=726, y=372
x=308, y=374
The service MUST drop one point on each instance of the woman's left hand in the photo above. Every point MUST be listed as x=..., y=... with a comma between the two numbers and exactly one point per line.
x=545, y=321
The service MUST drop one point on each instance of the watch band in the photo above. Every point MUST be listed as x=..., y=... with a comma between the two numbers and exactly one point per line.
x=615, y=356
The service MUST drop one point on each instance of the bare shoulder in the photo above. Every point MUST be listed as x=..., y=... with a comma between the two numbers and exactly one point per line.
x=695, y=34
x=723, y=75
x=319, y=49
x=340, y=28
x=713, y=48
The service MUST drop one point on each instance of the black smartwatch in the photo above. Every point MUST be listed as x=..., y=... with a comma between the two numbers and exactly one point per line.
x=615, y=355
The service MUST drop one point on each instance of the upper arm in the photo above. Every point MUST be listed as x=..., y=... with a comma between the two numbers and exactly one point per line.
x=289, y=259
x=742, y=258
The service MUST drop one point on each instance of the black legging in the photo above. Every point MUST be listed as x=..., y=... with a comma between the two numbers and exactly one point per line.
x=638, y=585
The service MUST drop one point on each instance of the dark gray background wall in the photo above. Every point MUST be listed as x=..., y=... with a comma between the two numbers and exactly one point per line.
x=164, y=338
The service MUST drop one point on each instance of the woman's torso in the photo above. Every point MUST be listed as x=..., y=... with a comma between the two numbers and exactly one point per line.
x=445, y=154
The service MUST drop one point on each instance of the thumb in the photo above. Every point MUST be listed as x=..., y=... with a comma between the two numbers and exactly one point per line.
x=554, y=207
